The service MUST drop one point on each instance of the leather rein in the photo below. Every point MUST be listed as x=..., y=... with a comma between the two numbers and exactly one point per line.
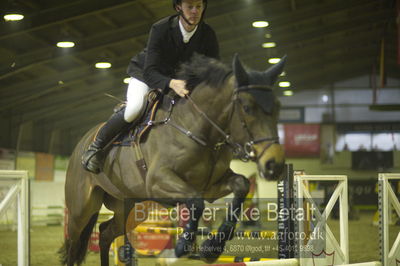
x=244, y=152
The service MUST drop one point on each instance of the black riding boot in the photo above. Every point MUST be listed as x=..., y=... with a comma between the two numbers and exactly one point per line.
x=93, y=158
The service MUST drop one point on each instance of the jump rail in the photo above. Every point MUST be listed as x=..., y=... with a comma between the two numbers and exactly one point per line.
x=264, y=234
x=282, y=262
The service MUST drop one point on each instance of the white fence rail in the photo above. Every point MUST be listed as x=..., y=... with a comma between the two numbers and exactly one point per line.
x=19, y=192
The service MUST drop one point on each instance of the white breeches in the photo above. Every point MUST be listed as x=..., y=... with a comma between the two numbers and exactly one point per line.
x=137, y=90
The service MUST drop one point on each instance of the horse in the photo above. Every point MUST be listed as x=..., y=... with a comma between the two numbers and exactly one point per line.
x=229, y=113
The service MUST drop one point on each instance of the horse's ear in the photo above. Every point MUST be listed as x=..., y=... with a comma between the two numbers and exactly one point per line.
x=240, y=73
x=274, y=71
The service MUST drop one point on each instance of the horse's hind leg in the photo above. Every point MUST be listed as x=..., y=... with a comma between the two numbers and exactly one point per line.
x=116, y=226
x=109, y=230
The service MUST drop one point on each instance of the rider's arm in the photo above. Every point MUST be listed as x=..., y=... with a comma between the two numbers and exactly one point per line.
x=212, y=46
x=154, y=61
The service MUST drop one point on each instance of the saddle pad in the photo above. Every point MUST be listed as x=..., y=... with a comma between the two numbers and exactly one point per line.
x=138, y=133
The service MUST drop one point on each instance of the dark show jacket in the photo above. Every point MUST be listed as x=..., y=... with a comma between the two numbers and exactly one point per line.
x=165, y=51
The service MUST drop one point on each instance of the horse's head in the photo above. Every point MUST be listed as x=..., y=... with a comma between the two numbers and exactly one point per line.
x=255, y=117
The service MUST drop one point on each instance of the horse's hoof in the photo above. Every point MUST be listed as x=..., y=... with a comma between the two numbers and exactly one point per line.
x=184, y=247
x=211, y=249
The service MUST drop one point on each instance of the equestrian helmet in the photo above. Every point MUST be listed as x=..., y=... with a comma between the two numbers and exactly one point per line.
x=178, y=2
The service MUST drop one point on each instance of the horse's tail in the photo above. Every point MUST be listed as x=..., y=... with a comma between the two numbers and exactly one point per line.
x=71, y=253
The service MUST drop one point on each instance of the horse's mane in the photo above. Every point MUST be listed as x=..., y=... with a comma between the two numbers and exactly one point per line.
x=203, y=69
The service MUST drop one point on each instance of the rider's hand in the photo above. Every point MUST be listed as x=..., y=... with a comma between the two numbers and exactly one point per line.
x=179, y=86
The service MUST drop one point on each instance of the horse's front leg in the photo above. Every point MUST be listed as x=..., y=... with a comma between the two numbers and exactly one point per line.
x=166, y=184
x=186, y=240
x=213, y=247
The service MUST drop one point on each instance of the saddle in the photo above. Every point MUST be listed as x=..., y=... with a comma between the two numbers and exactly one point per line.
x=139, y=129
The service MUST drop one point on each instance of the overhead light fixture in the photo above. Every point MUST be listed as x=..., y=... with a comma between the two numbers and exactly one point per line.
x=260, y=24
x=283, y=74
x=274, y=60
x=13, y=12
x=65, y=38
x=65, y=44
x=288, y=93
x=269, y=45
x=127, y=80
x=284, y=84
x=103, y=65
x=325, y=98
x=13, y=17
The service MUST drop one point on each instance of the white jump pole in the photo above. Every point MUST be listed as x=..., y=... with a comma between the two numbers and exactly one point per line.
x=19, y=191
x=372, y=263
x=283, y=262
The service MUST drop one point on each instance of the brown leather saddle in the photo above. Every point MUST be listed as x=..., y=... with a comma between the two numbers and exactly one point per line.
x=139, y=130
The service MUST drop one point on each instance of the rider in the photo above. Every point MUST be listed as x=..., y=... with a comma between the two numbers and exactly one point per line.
x=172, y=41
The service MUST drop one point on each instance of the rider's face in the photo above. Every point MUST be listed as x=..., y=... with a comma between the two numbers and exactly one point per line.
x=192, y=10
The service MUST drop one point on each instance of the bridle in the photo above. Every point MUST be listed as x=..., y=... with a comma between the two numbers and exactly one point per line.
x=246, y=151
x=248, y=147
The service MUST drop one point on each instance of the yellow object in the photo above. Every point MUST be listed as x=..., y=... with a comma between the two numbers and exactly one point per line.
x=230, y=259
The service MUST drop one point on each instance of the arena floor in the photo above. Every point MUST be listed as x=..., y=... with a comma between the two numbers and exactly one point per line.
x=45, y=241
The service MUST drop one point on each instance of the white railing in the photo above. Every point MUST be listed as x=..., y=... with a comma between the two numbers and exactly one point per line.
x=19, y=192
x=387, y=200
x=324, y=250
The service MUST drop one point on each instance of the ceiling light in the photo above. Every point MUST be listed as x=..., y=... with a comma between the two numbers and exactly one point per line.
x=127, y=80
x=103, y=65
x=12, y=11
x=288, y=93
x=260, y=24
x=13, y=17
x=268, y=35
x=284, y=84
x=268, y=45
x=274, y=60
x=283, y=74
x=325, y=98
x=65, y=44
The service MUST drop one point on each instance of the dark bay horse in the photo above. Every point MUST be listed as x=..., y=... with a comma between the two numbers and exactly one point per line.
x=188, y=159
